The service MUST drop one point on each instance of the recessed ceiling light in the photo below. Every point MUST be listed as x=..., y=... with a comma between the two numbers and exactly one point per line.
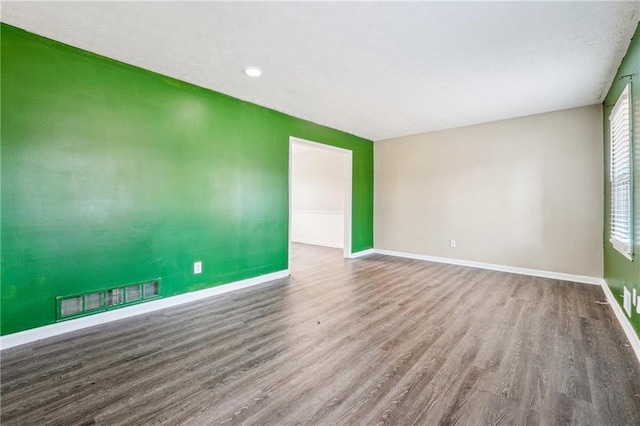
x=253, y=71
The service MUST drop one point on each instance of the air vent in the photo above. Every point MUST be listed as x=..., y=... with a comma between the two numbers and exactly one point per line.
x=150, y=289
x=99, y=301
x=70, y=307
x=133, y=293
x=115, y=297
x=93, y=301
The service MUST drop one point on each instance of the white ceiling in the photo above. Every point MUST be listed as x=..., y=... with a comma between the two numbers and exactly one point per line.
x=377, y=70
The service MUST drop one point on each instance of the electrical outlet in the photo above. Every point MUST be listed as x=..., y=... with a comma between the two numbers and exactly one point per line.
x=197, y=267
x=627, y=301
x=452, y=243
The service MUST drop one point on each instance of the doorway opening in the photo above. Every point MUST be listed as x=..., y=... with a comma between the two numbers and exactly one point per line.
x=320, y=182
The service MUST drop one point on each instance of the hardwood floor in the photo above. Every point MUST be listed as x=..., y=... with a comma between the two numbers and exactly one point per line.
x=375, y=340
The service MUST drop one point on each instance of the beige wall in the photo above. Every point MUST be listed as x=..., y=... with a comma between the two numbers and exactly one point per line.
x=317, y=195
x=525, y=192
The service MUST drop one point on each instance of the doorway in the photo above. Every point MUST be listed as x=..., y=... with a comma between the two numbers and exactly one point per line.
x=320, y=184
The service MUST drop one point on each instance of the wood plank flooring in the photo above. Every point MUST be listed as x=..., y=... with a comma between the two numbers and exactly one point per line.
x=371, y=341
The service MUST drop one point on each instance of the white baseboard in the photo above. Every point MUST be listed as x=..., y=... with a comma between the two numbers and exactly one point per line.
x=622, y=319
x=28, y=336
x=361, y=253
x=503, y=268
x=317, y=243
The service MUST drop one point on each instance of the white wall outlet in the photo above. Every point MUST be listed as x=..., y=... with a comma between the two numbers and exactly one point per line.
x=627, y=301
x=197, y=267
x=452, y=243
x=634, y=298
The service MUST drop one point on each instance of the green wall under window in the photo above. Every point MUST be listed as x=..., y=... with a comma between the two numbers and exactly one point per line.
x=112, y=175
x=618, y=270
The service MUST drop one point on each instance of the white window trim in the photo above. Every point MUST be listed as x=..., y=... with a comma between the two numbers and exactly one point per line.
x=626, y=249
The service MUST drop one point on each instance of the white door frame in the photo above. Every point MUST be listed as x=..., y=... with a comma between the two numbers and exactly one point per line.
x=348, y=184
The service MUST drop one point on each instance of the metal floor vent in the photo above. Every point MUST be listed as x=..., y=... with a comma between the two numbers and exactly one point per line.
x=115, y=297
x=71, y=306
x=98, y=301
x=133, y=293
x=150, y=289
x=93, y=301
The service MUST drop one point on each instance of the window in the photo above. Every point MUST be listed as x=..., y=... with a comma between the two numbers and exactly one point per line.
x=621, y=174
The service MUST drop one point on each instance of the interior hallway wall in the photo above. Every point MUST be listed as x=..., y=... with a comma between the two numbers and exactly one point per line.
x=317, y=196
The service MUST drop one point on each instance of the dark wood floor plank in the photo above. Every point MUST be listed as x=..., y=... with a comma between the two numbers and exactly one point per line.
x=375, y=340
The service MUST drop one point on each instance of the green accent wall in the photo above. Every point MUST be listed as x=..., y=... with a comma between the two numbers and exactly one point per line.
x=618, y=270
x=112, y=174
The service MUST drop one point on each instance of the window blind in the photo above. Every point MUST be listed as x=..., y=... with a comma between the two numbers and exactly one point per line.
x=621, y=174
